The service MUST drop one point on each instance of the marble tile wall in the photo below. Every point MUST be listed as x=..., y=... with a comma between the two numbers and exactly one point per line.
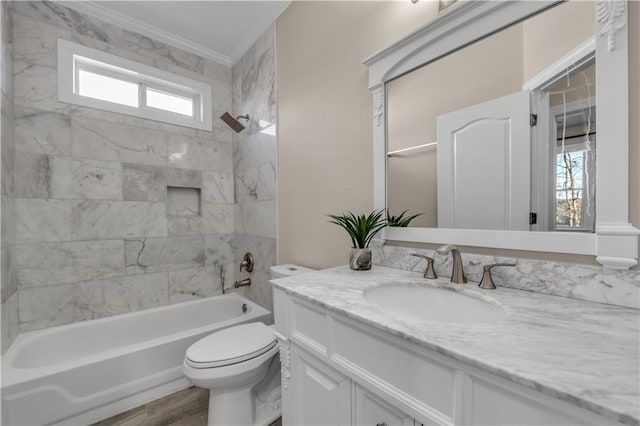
x=254, y=159
x=93, y=237
x=573, y=280
x=8, y=276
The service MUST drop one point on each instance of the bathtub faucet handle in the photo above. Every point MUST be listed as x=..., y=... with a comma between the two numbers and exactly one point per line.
x=247, y=262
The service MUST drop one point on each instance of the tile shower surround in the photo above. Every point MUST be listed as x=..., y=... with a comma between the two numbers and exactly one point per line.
x=93, y=237
x=254, y=165
x=8, y=277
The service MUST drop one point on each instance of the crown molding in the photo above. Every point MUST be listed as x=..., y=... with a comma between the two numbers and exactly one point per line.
x=108, y=15
x=257, y=30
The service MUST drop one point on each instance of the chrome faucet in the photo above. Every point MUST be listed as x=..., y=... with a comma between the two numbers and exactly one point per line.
x=457, y=272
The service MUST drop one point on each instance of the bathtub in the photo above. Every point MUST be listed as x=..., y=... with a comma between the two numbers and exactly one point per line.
x=80, y=373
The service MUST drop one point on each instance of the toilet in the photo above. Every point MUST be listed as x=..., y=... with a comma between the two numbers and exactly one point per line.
x=240, y=367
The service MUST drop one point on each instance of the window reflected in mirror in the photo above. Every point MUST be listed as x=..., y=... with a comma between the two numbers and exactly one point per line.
x=575, y=170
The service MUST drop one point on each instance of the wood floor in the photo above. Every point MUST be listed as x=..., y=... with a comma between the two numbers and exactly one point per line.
x=188, y=407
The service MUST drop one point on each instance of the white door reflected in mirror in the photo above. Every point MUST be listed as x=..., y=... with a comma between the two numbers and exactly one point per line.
x=483, y=165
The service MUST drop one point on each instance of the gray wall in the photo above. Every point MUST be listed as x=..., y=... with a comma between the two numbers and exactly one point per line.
x=93, y=235
x=8, y=279
x=254, y=158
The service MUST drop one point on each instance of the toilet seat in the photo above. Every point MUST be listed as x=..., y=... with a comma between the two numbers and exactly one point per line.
x=231, y=346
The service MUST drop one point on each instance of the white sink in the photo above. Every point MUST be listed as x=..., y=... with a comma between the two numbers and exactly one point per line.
x=435, y=304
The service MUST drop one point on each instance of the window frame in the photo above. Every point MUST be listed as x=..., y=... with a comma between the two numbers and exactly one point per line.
x=73, y=57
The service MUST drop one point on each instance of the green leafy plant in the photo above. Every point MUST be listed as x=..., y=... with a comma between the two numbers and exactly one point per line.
x=400, y=221
x=361, y=229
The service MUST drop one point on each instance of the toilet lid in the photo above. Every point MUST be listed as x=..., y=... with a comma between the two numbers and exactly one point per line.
x=231, y=345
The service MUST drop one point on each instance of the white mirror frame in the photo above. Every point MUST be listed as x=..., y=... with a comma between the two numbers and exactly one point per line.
x=615, y=242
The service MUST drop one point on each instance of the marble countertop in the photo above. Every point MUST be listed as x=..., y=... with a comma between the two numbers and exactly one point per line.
x=585, y=353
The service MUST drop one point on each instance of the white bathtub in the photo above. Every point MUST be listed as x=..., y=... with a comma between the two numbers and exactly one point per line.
x=84, y=372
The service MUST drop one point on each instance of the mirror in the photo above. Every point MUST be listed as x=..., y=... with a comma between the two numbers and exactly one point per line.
x=501, y=133
x=615, y=240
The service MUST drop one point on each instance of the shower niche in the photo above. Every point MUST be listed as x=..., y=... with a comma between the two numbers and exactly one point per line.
x=183, y=201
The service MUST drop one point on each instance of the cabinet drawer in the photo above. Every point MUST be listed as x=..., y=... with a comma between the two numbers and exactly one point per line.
x=429, y=384
x=498, y=405
x=371, y=411
x=310, y=325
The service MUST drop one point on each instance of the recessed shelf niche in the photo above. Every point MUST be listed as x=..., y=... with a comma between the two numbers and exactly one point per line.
x=183, y=201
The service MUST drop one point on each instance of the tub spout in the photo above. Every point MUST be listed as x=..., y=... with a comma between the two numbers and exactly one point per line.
x=243, y=283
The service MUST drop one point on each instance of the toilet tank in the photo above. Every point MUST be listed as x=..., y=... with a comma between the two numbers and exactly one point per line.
x=288, y=270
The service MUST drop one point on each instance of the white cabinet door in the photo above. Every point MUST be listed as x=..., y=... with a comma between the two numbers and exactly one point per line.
x=484, y=165
x=319, y=395
x=372, y=411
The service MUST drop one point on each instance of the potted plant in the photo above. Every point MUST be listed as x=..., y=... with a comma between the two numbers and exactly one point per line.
x=400, y=221
x=361, y=230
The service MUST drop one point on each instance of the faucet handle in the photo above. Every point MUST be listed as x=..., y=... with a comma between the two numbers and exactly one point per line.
x=487, y=280
x=446, y=249
x=430, y=272
x=247, y=263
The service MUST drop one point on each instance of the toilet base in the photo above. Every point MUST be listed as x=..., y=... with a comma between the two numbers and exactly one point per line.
x=238, y=408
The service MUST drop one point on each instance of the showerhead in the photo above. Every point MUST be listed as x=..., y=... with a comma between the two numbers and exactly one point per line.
x=233, y=122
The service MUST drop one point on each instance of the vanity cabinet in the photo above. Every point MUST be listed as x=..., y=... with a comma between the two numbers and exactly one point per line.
x=340, y=371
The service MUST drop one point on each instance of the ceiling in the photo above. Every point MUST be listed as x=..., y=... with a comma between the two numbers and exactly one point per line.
x=219, y=30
